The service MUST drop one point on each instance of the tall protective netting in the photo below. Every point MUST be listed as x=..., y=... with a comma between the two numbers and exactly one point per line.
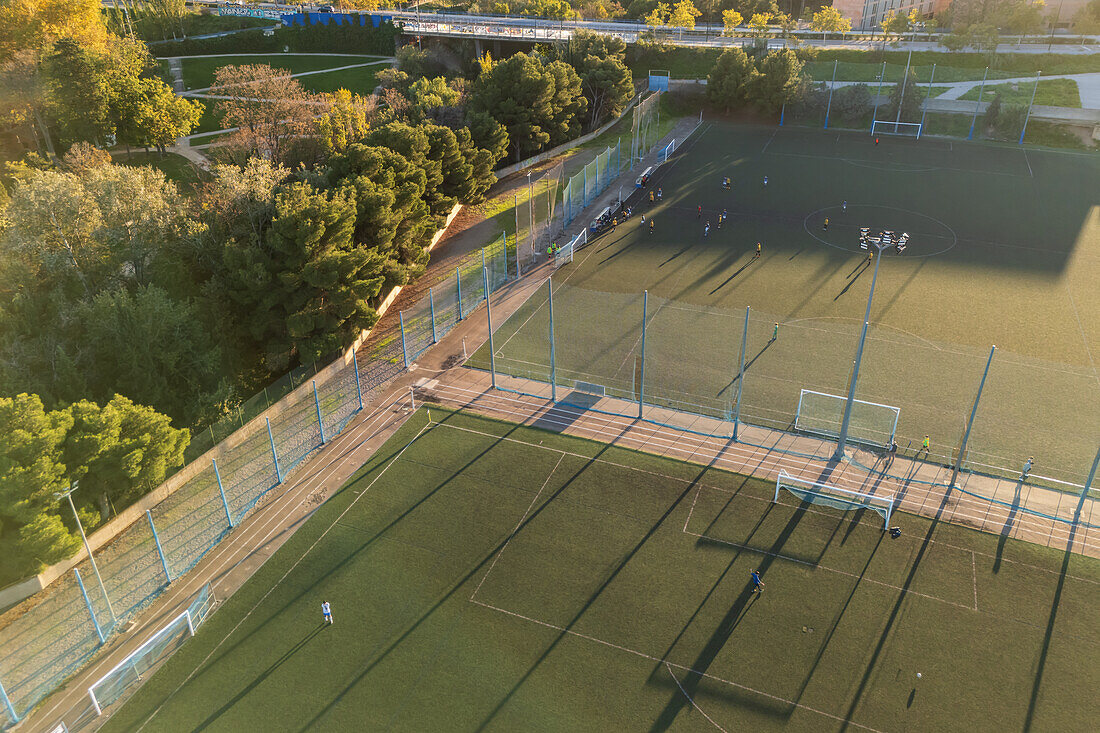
x=643, y=129
x=593, y=179
x=538, y=216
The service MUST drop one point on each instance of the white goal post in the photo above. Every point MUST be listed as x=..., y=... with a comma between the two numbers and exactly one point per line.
x=871, y=423
x=835, y=497
x=889, y=127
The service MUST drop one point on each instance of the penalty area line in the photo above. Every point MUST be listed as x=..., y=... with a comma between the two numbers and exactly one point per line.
x=681, y=667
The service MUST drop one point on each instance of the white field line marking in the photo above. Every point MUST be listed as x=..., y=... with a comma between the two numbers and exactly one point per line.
x=1029, y=172
x=765, y=148
x=732, y=454
x=518, y=525
x=298, y=487
x=816, y=566
x=691, y=511
x=974, y=569
x=289, y=570
x=689, y=699
x=651, y=434
x=682, y=667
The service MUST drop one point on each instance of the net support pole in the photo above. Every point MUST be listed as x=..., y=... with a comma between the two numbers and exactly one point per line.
x=977, y=105
x=741, y=375
x=553, y=363
x=832, y=85
x=1088, y=482
x=221, y=490
x=924, y=110
x=458, y=284
x=489, y=321
x=878, y=94
x=431, y=305
x=641, y=379
x=904, y=80
x=404, y=347
x=843, y=437
x=585, y=199
x=274, y=453
x=782, y=112
x=515, y=209
x=160, y=550
x=317, y=404
x=358, y=387
x=7, y=703
x=88, y=602
x=1030, y=104
x=970, y=423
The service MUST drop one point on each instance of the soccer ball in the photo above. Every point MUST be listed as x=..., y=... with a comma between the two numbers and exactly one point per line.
x=918, y=675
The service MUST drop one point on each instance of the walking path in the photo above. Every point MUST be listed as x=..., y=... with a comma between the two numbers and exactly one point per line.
x=1088, y=85
x=918, y=486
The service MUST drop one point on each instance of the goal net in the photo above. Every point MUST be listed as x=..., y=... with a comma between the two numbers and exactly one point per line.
x=835, y=497
x=564, y=254
x=111, y=687
x=889, y=127
x=822, y=414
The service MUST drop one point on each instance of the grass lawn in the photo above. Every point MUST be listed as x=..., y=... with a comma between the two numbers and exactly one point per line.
x=198, y=73
x=175, y=167
x=1051, y=92
x=360, y=81
x=1004, y=250
x=209, y=121
x=485, y=576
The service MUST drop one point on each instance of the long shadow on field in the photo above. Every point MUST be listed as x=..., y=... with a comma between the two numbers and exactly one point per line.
x=865, y=267
x=1007, y=529
x=727, y=281
x=903, y=593
x=1030, y=719
x=261, y=677
x=718, y=640
x=459, y=583
x=747, y=366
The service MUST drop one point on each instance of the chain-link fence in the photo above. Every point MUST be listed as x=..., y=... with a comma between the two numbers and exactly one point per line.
x=43, y=643
x=583, y=188
x=689, y=358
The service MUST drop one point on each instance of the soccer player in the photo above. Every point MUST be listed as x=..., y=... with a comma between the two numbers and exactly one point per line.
x=1027, y=469
x=651, y=197
x=924, y=445
x=706, y=229
x=549, y=251
x=643, y=219
x=326, y=612
x=876, y=142
x=651, y=226
x=844, y=205
x=826, y=225
x=870, y=256
x=765, y=181
x=759, y=248
x=614, y=223
x=700, y=214
x=726, y=183
x=660, y=193
x=757, y=583
x=775, y=331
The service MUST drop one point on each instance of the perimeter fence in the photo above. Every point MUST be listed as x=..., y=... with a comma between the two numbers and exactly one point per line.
x=688, y=358
x=49, y=637
x=583, y=188
x=538, y=216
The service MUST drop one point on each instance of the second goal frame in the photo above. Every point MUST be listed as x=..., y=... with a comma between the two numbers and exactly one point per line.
x=815, y=492
x=890, y=127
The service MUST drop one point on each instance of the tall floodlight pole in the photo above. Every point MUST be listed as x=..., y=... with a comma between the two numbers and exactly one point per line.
x=829, y=106
x=978, y=105
x=1030, y=104
x=87, y=548
x=878, y=94
x=924, y=110
x=904, y=79
x=530, y=214
x=1088, y=481
x=839, y=455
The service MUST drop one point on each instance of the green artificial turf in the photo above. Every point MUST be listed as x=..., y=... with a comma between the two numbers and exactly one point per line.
x=1004, y=250
x=1051, y=92
x=199, y=72
x=485, y=576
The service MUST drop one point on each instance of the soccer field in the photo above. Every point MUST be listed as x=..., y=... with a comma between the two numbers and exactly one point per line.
x=1004, y=250
x=485, y=576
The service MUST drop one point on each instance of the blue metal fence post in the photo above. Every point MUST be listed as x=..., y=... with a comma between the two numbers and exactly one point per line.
x=431, y=304
x=1030, y=104
x=586, y=186
x=404, y=349
x=317, y=403
x=782, y=112
x=7, y=704
x=358, y=389
x=970, y=422
x=274, y=455
x=91, y=611
x=832, y=84
x=553, y=364
x=924, y=111
x=160, y=550
x=458, y=282
x=977, y=105
x=641, y=377
x=489, y=320
x=221, y=490
x=741, y=375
